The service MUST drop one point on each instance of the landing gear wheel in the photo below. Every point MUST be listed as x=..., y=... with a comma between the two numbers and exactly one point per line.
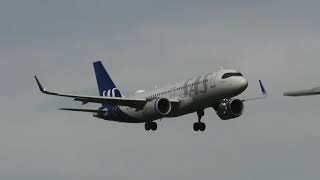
x=196, y=126
x=147, y=126
x=202, y=126
x=199, y=125
x=151, y=126
x=154, y=126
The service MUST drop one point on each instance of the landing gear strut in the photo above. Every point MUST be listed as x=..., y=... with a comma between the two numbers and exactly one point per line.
x=199, y=125
x=151, y=126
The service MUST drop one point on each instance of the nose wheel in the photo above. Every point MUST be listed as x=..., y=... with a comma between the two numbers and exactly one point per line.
x=199, y=126
x=151, y=126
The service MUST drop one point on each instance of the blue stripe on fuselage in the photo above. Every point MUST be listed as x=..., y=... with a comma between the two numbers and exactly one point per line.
x=116, y=114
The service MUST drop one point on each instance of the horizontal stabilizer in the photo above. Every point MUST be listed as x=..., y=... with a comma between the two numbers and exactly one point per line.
x=83, y=110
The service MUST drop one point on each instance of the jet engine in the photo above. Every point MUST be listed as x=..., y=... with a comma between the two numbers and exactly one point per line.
x=230, y=109
x=157, y=108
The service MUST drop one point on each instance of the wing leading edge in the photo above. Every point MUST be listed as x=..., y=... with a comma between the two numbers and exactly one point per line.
x=137, y=103
x=130, y=102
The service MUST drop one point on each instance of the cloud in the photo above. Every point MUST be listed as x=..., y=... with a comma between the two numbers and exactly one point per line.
x=146, y=43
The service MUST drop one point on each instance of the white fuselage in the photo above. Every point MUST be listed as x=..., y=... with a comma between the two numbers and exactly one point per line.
x=193, y=94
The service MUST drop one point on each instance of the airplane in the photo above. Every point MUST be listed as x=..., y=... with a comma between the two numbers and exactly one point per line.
x=212, y=90
x=308, y=92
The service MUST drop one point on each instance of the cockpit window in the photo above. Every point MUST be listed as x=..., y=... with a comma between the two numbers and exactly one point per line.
x=227, y=75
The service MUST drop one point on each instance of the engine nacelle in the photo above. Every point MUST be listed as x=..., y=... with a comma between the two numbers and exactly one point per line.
x=230, y=109
x=157, y=108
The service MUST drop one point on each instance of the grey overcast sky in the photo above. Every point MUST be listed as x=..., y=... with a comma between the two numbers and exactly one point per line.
x=144, y=43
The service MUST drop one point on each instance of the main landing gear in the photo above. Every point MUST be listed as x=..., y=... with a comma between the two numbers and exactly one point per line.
x=150, y=126
x=199, y=125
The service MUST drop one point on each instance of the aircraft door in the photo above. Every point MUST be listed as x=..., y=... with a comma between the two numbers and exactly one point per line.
x=213, y=80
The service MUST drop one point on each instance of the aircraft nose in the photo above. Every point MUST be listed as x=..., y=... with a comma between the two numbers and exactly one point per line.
x=242, y=83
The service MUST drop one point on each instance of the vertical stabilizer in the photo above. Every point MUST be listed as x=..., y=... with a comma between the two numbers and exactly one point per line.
x=105, y=84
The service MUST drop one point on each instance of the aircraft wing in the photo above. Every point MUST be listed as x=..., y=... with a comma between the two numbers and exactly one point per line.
x=137, y=103
x=264, y=94
x=309, y=92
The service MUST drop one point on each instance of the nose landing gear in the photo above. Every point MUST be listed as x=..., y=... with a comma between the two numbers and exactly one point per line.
x=199, y=125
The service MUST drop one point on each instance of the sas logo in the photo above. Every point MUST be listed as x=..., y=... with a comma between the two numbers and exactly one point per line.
x=111, y=93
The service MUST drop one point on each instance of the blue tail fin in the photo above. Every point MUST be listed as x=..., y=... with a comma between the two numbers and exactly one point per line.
x=105, y=83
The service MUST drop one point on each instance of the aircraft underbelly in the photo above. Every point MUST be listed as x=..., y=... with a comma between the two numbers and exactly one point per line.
x=187, y=105
x=193, y=104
